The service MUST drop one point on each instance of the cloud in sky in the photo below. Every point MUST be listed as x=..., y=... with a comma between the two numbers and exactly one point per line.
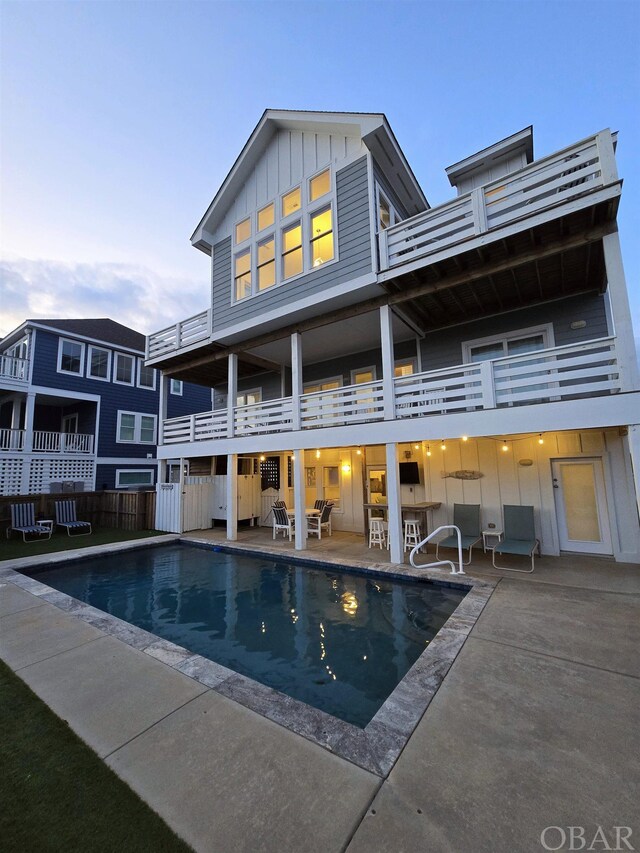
x=135, y=296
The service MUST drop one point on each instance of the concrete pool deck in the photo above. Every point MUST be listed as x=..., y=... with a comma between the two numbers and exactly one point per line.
x=534, y=725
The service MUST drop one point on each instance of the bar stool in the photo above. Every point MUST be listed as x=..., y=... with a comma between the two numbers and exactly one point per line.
x=412, y=535
x=376, y=533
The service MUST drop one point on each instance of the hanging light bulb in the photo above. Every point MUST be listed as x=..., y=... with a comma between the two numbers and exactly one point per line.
x=540, y=439
x=417, y=446
x=359, y=452
x=505, y=446
x=443, y=446
x=262, y=457
x=317, y=454
x=428, y=450
x=465, y=438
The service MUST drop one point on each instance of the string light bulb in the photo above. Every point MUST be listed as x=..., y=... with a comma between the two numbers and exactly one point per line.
x=417, y=446
x=317, y=454
x=262, y=457
x=428, y=450
x=540, y=439
x=359, y=452
x=443, y=446
x=505, y=446
x=465, y=438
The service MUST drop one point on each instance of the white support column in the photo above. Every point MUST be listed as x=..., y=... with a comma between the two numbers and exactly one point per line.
x=232, y=392
x=386, y=338
x=28, y=422
x=163, y=396
x=623, y=327
x=15, y=412
x=394, y=513
x=232, y=496
x=181, y=495
x=298, y=499
x=634, y=450
x=296, y=378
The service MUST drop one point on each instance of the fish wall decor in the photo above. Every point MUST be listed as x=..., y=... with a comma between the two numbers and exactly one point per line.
x=463, y=475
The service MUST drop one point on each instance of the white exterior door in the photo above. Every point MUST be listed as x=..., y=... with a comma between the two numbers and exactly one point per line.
x=581, y=506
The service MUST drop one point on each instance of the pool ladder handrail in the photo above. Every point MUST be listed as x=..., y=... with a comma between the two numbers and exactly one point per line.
x=416, y=549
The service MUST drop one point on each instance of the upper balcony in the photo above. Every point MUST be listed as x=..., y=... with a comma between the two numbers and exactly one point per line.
x=503, y=235
x=14, y=371
x=59, y=443
x=564, y=373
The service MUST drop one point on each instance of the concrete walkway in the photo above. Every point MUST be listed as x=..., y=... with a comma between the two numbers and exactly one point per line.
x=535, y=725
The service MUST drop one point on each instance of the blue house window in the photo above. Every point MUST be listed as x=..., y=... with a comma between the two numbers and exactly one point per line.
x=175, y=387
x=126, y=477
x=136, y=428
x=124, y=369
x=99, y=363
x=70, y=357
x=146, y=376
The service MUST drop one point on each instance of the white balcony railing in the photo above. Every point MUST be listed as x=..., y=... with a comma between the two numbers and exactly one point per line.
x=71, y=443
x=560, y=373
x=182, y=334
x=14, y=368
x=552, y=181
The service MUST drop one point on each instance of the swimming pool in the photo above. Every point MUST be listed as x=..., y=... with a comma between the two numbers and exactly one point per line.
x=336, y=640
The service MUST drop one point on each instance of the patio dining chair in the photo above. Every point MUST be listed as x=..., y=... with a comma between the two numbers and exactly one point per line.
x=66, y=517
x=519, y=536
x=283, y=521
x=23, y=519
x=320, y=504
x=467, y=518
x=316, y=524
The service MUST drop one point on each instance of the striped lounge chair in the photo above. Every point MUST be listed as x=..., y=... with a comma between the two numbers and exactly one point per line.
x=23, y=519
x=66, y=517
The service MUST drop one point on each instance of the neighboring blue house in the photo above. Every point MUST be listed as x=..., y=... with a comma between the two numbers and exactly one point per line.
x=79, y=409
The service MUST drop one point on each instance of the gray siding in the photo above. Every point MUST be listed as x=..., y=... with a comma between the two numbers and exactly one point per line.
x=354, y=251
x=444, y=348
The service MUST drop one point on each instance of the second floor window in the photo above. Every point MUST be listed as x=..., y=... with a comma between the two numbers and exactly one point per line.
x=243, y=274
x=70, y=357
x=292, y=251
x=99, y=363
x=321, y=237
x=175, y=387
x=146, y=376
x=124, y=369
x=136, y=428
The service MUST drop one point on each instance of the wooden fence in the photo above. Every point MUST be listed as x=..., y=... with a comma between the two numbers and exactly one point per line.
x=116, y=509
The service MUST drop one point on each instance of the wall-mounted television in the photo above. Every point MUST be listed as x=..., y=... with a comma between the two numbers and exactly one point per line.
x=409, y=473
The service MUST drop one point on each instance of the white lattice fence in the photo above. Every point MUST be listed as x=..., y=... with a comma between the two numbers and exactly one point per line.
x=10, y=475
x=46, y=471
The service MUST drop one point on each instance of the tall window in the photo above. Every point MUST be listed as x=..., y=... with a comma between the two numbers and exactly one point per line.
x=321, y=237
x=70, y=357
x=146, y=376
x=266, y=264
x=243, y=274
x=99, y=363
x=124, y=369
x=292, y=251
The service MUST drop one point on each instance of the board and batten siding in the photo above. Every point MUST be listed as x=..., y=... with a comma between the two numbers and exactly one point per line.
x=353, y=248
x=444, y=348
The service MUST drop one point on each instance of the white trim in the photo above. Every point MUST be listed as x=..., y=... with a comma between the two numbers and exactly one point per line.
x=545, y=329
x=64, y=392
x=394, y=216
x=115, y=369
x=141, y=364
x=119, y=471
x=126, y=460
x=179, y=392
x=66, y=332
x=89, y=375
x=137, y=428
x=61, y=342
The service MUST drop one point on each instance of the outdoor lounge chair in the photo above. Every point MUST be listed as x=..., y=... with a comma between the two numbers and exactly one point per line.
x=519, y=536
x=66, y=517
x=23, y=519
x=282, y=521
x=467, y=518
x=316, y=524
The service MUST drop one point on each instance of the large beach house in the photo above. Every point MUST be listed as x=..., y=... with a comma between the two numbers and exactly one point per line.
x=366, y=348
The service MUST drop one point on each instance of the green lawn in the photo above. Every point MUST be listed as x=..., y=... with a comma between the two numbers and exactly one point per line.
x=12, y=548
x=57, y=795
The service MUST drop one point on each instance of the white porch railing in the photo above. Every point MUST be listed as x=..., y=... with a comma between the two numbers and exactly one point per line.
x=560, y=373
x=347, y=405
x=47, y=442
x=14, y=368
x=182, y=334
x=11, y=439
x=549, y=182
x=62, y=442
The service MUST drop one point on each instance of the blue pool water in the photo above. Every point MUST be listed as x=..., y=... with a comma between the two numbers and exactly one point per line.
x=335, y=640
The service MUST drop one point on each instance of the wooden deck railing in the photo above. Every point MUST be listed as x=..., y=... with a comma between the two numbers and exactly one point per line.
x=182, y=334
x=547, y=183
x=559, y=373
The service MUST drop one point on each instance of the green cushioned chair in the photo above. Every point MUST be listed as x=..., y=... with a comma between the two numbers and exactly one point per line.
x=519, y=536
x=467, y=518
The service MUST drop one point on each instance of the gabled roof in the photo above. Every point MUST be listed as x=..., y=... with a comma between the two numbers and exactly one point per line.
x=102, y=329
x=372, y=128
x=522, y=141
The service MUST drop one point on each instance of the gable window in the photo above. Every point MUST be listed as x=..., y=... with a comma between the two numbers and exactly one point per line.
x=243, y=230
x=243, y=274
x=175, y=387
x=136, y=428
x=291, y=202
x=266, y=264
x=292, y=251
x=70, y=357
x=146, y=376
x=387, y=214
x=321, y=237
x=320, y=185
x=99, y=363
x=126, y=477
x=124, y=369
x=266, y=216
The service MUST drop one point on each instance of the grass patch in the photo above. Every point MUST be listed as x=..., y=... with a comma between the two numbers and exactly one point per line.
x=57, y=795
x=11, y=549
